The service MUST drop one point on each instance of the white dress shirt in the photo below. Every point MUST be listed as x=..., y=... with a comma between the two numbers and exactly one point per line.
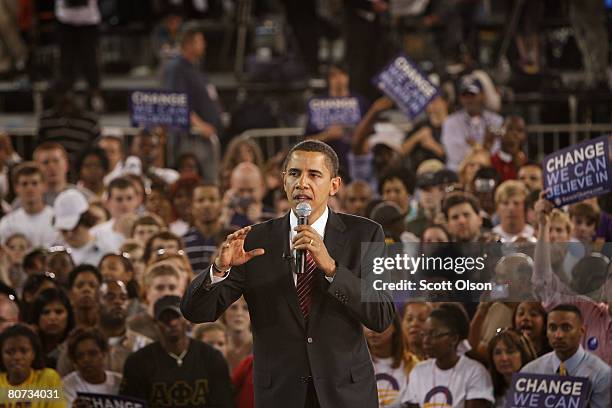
x=319, y=226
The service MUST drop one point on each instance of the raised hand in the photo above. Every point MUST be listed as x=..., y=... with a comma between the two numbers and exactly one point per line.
x=232, y=252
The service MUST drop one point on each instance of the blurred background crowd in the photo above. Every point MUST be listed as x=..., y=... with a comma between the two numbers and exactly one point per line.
x=103, y=224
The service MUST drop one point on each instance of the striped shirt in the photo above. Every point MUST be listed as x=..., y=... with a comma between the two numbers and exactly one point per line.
x=199, y=248
x=74, y=132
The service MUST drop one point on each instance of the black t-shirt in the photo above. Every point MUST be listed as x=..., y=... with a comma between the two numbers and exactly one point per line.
x=201, y=381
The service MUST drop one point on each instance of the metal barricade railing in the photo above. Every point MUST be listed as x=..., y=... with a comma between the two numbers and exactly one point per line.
x=541, y=139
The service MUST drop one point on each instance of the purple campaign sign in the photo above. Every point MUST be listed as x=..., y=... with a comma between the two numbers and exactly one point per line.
x=104, y=400
x=325, y=112
x=578, y=172
x=402, y=81
x=546, y=391
x=160, y=108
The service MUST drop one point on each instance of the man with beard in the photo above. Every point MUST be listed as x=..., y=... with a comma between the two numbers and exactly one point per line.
x=113, y=315
x=597, y=316
x=463, y=216
x=177, y=371
x=202, y=238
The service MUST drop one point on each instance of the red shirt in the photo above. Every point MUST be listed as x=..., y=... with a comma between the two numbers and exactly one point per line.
x=504, y=164
x=242, y=378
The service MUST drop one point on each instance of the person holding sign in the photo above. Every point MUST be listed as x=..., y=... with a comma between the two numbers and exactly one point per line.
x=331, y=119
x=568, y=358
x=598, y=316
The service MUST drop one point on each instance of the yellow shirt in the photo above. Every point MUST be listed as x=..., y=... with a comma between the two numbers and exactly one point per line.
x=46, y=381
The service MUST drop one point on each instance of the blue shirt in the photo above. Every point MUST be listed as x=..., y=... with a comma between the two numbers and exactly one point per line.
x=199, y=248
x=581, y=364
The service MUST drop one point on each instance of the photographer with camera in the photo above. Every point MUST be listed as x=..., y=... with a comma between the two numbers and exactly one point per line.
x=243, y=200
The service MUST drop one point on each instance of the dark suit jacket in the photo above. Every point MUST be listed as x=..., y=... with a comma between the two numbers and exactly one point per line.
x=331, y=347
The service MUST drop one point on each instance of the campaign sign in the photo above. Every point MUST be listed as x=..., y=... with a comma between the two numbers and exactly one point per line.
x=325, y=112
x=578, y=172
x=402, y=81
x=159, y=108
x=547, y=391
x=111, y=401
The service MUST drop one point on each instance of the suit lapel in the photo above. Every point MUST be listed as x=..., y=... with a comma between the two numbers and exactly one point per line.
x=288, y=263
x=335, y=242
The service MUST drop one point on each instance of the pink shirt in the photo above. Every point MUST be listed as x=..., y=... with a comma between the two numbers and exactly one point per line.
x=597, y=320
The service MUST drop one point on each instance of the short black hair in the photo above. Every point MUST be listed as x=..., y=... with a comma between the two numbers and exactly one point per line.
x=46, y=297
x=25, y=331
x=86, y=333
x=164, y=236
x=83, y=268
x=454, y=317
x=92, y=151
x=457, y=198
x=404, y=175
x=566, y=307
x=316, y=146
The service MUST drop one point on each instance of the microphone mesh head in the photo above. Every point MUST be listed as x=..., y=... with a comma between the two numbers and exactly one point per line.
x=303, y=209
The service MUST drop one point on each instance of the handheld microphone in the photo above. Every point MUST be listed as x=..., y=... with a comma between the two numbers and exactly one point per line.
x=302, y=211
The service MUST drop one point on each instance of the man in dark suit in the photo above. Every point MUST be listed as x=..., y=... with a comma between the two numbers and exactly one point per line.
x=308, y=340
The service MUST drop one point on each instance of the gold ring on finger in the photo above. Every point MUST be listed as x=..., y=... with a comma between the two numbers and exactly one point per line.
x=311, y=241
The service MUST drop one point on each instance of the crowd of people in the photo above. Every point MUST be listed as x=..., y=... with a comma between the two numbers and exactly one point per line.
x=101, y=235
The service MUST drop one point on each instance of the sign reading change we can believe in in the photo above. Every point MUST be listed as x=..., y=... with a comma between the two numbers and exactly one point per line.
x=403, y=82
x=325, y=112
x=578, y=172
x=160, y=108
x=547, y=391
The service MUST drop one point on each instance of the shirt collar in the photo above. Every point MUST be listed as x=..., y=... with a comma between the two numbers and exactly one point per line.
x=505, y=157
x=318, y=225
x=572, y=363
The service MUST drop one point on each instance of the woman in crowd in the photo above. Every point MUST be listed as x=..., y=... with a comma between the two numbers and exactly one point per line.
x=85, y=281
x=507, y=353
x=52, y=315
x=87, y=348
x=392, y=365
x=91, y=168
x=33, y=285
x=59, y=262
x=22, y=366
x=15, y=249
x=214, y=334
x=239, y=151
x=119, y=268
x=435, y=233
x=530, y=320
x=414, y=317
x=238, y=322
x=477, y=158
x=181, y=193
x=189, y=165
x=466, y=381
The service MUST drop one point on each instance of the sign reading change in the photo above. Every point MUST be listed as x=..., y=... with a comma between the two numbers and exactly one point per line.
x=325, y=112
x=402, y=81
x=578, y=172
x=547, y=391
x=111, y=401
x=159, y=108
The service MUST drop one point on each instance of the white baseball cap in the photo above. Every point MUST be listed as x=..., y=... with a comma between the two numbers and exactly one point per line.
x=68, y=208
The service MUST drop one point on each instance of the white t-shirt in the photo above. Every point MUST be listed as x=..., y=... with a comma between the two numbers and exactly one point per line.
x=431, y=387
x=90, y=253
x=527, y=233
x=107, y=237
x=74, y=383
x=392, y=383
x=38, y=228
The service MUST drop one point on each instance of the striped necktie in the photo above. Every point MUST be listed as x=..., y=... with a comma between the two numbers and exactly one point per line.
x=304, y=285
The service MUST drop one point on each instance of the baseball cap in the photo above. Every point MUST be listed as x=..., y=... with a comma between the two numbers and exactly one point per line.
x=68, y=208
x=168, y=302
x=386, y=213
x=470, y=84
x=429, y=166
x=389, y=135
x=440, y=177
